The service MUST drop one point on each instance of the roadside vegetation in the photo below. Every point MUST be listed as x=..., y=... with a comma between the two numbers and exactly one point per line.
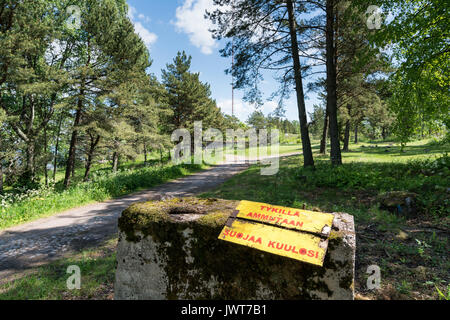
x=23, y=205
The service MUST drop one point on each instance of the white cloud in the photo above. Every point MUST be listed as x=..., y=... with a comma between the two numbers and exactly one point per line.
x=242, y=109
x=269, y=107
x=148, y=37
x=144, y=18
x=131, y=12
x=190, y=20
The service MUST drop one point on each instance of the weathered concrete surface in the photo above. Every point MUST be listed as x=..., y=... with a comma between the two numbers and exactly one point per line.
x=170, y=250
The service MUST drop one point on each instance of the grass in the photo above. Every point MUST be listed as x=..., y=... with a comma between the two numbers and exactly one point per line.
x=252, y=153
x=282, y=149
x=23, y=206
x=49, y=282
x=412, y=251
x=34, y=204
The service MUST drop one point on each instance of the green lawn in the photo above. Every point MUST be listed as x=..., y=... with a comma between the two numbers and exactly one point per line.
x=282, y=149
x=390, y=151
x=153, y=158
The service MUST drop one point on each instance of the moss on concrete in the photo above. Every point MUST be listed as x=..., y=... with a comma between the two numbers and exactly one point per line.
x=147, y=217
x=237, y=270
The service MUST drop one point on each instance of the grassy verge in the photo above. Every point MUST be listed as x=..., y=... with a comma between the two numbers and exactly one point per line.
x=282, y=149
x=34, y=204
x=252, y=153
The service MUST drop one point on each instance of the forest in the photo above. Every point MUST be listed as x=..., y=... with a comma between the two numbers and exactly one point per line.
x=71, y=97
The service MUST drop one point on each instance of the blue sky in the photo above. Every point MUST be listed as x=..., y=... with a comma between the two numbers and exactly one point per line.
x=175, y=25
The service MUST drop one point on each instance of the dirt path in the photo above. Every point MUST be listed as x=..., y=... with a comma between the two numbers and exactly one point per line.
x=43, y=240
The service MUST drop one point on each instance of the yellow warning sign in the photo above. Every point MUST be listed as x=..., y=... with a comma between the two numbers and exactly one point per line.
x=291, y=218
x=288, y=243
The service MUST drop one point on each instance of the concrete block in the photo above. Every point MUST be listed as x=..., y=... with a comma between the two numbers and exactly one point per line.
x=170, y=250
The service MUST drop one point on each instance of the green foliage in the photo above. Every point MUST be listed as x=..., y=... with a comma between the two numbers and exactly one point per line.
x=417, y=103
x=232, y=122
x=78, y=91
x=417, y=33
x=443, y=296
x=257, y=120
x=188, y=98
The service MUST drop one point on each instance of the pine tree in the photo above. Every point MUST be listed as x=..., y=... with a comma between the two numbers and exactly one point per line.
x=257, y=120
x=108, y=54
x=188, y=98
x=31, y=76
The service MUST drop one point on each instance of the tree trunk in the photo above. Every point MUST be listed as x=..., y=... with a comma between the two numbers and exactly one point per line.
x=160, y=155
x=115, y=164
x=323, y=141
x=93, y=144
x=45, y=157
x=347, y=136
x=356, y=133
x=30, y=169
x=56, y=148
x=336, y=158
x=1, y=177
x=308, y=160
x=70, y=167
x=145, y=154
